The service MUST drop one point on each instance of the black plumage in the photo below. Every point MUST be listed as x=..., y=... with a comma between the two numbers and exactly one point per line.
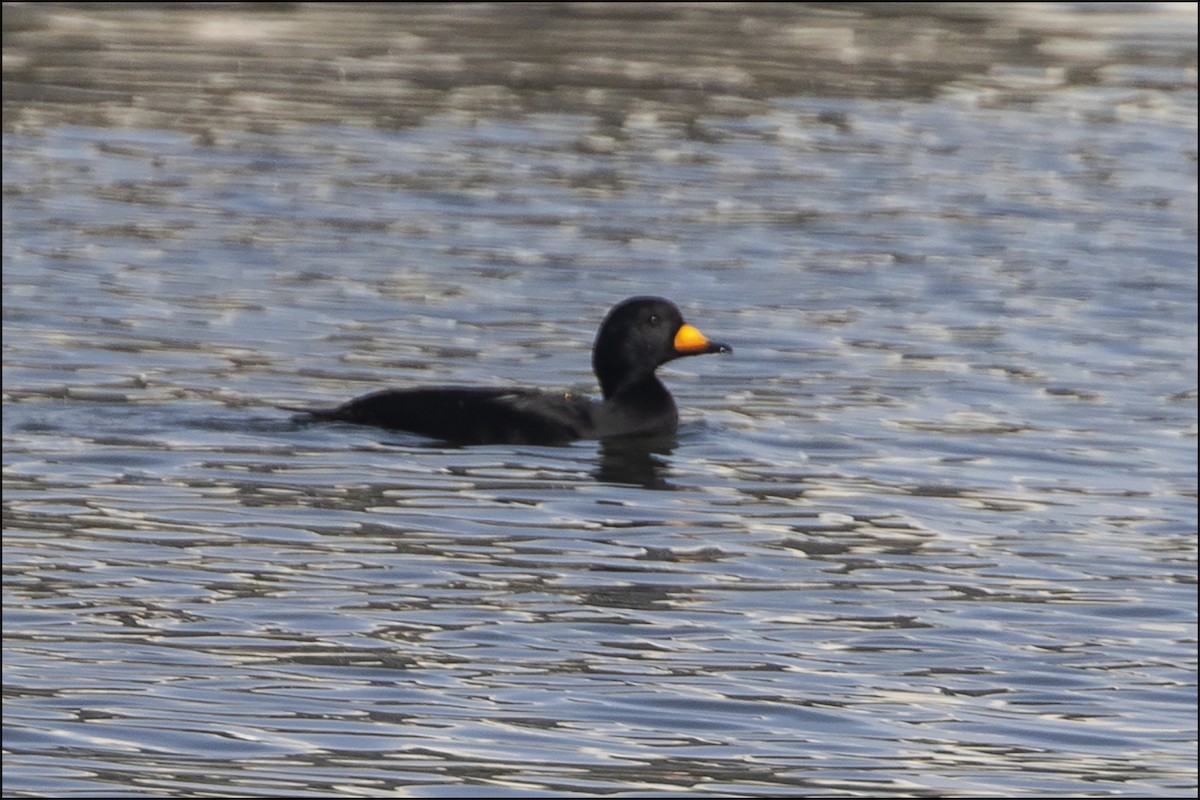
x=635, y=338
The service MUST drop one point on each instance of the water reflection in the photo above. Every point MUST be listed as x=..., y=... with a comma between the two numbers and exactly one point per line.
x=944, y=514
x=636, y=461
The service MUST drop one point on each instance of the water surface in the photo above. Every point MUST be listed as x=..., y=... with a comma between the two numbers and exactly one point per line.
x=930, y=530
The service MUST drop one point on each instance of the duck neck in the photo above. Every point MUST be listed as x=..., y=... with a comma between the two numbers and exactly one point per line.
x=617, y=381
x=643, y=405
x=646, y=392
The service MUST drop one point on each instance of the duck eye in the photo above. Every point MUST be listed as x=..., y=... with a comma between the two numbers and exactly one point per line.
x=654, y=319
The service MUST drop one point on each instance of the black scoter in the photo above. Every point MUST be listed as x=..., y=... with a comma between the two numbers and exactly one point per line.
x=636, y=337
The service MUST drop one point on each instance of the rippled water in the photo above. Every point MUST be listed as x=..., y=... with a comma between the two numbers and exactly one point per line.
x=930, y=530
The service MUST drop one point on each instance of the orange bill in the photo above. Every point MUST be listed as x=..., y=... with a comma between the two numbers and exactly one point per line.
x=690, y=341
